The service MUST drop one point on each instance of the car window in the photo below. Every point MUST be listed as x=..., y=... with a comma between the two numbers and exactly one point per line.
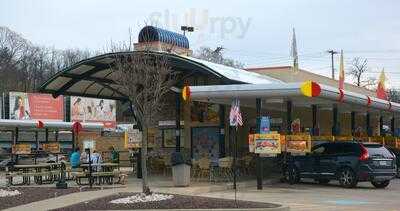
x=346, y=148
x=319, y=150
x=375, y=149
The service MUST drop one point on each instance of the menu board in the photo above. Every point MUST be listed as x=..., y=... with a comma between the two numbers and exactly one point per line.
x=51, y=147
x=21, y=149
x=267, y=143
x=133, y=139
x=298, y=143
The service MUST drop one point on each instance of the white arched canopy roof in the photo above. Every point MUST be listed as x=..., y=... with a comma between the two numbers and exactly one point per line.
x=93, y=77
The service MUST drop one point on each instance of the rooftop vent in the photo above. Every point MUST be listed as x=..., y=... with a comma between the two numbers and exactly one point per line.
x=154, y=34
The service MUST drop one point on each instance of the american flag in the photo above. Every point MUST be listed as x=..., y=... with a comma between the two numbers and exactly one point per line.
x=235, y=116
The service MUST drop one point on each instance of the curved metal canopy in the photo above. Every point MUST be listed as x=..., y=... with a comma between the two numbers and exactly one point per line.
x=93, y=77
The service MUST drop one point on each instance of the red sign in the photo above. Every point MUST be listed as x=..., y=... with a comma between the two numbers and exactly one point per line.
x=36, y=106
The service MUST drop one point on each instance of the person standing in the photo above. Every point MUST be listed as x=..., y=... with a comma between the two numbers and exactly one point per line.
x=96, y=160
x=75, y=158
x=114, y=155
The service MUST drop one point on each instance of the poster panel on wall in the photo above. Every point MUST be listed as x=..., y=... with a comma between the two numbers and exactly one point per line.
x=298, y=143
x=36, y=106
x=94, y=110
x=267, y=143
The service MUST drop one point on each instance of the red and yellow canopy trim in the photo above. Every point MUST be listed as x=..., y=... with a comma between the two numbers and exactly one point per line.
x=310, y=89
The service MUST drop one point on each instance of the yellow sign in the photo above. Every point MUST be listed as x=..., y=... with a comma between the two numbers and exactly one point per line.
x=298, y=143
x=21, y=149
x=51, y=147
x=267, y=143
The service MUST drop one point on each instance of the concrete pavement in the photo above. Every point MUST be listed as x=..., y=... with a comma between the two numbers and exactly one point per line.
x=311, y=196
x=304, y=196
x=157, y=184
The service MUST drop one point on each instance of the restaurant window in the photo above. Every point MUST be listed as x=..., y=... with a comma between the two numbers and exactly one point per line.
x=205, y=113
x=168, y=137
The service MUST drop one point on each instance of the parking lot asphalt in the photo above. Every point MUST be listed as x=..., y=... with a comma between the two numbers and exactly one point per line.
x=311, y=196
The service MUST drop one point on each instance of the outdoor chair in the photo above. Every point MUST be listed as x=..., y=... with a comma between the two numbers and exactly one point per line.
x=246, y=165
x=225, y=171
x=195, y=168
x=204, y=169
x=167, y=164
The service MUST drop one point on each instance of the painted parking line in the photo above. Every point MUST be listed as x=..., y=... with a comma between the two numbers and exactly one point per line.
x=348, y=202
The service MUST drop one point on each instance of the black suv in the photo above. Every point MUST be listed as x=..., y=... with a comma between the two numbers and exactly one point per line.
x=348, y=162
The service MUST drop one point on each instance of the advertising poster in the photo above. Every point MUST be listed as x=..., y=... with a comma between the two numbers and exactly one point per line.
x=296, y=126
x=36, y=106
x=298, y=143
x=205, y=143
x=267, y=143
x=94, y=110
x=265, y=125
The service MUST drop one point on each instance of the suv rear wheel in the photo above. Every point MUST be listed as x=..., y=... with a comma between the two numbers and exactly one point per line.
x=382, y=184
x=292, y=175
x=347, y=178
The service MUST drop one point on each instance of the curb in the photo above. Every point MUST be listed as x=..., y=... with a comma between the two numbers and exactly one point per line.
x=280, y=208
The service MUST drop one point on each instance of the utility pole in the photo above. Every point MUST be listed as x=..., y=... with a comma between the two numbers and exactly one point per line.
x=332, y=52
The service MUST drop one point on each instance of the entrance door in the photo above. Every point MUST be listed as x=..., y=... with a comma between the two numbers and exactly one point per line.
x=205, y=143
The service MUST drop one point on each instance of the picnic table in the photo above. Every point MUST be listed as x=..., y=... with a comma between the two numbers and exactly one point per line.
x=49, y=171
x=105, y=173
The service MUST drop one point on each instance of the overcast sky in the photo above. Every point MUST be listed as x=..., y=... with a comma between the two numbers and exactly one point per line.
x=257, y=33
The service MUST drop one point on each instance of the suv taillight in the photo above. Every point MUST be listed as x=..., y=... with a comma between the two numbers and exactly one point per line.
x=364, y=153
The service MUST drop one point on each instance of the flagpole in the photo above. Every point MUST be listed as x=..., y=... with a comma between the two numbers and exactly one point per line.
x=234, y=165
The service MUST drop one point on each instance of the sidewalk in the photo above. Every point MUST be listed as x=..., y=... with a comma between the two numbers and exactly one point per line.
x=161, y=184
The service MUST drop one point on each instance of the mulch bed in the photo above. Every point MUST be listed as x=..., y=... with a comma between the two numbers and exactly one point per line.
x=178, y=202
x=32, y=194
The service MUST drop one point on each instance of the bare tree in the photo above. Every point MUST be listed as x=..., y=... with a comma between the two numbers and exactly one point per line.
x=394, y=95
x=359, y=70
x=24, y=66
x=145, y=79
x=217, y=56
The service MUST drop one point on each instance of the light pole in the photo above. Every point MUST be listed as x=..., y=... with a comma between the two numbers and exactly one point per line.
x=187, y=28
x=332, y=52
